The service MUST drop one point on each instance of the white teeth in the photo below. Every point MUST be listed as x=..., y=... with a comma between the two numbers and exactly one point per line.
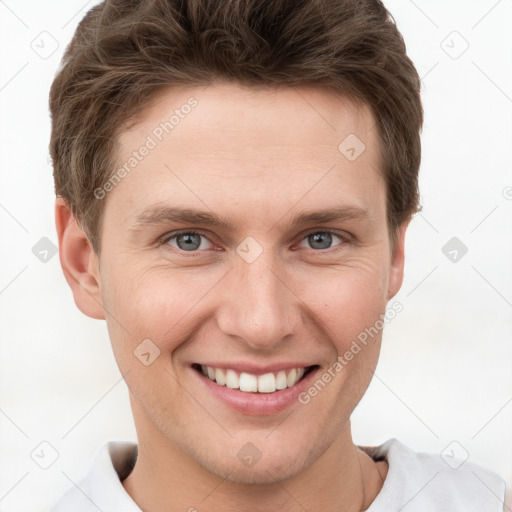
x=281, y=381
x=292, y=378
x=267, y=383
x=249, y=383
x=220, y=376
x=232, y=379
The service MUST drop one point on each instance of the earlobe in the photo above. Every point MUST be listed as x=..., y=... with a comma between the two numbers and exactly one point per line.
x=79, y=262
x=396, y=271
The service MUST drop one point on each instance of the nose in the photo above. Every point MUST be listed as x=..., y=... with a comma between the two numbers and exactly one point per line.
x=259, y=307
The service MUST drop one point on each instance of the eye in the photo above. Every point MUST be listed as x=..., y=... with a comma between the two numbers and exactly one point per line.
x=192, y=241
x=322, y=239
x=186, y=241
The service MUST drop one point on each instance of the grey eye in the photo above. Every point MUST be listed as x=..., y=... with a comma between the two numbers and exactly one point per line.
x=322, y=239
x=188, y=241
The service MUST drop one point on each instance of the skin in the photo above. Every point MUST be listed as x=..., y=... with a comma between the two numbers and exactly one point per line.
x=257, y=157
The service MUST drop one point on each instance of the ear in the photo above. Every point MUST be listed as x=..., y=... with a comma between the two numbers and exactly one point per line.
x=396, y=270
x=79, y=262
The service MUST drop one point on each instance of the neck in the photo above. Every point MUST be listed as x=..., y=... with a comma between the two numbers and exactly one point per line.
x=343, y=478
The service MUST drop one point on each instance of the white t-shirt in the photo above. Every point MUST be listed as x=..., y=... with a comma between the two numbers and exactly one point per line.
x=416, y=482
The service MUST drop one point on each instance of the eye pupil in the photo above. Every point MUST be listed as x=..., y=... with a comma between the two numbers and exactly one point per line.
x=324, y=239
x=192, y=241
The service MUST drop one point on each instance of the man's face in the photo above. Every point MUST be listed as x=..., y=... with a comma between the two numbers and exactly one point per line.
x=259, y=294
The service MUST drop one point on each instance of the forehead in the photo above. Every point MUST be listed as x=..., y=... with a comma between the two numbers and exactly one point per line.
x=227, y=113
x=258, y=148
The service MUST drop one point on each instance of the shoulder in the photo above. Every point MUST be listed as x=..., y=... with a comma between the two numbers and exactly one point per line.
x=101, y=487
x=434, y=481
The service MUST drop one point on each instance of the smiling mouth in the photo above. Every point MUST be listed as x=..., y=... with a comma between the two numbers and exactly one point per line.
x=271, y=382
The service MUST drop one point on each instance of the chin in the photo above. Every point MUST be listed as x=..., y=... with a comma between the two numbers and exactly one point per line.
x=263, y=472
x=248, y=465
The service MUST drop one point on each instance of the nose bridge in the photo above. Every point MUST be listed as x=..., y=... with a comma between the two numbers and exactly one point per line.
x=259, y=307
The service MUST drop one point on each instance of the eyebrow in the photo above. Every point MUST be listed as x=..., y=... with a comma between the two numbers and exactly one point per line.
x=158, y=215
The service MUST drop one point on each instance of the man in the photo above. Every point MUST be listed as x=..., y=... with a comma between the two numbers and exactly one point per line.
x=235, y=180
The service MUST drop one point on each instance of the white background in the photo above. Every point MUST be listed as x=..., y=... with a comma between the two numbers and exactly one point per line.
x=445, y=370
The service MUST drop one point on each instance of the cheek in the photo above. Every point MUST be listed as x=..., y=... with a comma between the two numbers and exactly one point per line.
x=346, y=301
x=157, y=304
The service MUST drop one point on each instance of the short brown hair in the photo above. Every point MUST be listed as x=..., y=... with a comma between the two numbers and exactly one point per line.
x=126, y=51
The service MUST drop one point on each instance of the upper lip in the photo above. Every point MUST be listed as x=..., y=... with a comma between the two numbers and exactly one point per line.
x=256, y=369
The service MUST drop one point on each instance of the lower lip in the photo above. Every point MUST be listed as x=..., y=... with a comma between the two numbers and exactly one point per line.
x=258, y=404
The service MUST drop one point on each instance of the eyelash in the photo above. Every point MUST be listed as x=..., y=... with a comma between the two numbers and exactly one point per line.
x=344, y=238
